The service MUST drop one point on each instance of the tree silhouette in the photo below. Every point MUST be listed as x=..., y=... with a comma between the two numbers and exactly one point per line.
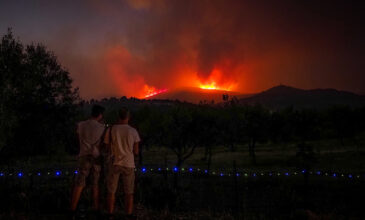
x=180, y=132
x=255, y=127
x=208, y=135
x=344, y=123
x=37, y=106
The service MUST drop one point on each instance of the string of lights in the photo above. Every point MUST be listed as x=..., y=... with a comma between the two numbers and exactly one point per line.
x=145, y=170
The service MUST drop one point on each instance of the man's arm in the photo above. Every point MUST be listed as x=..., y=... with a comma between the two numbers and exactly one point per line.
x=78, y=131
x=136, y=149
x=106, y=137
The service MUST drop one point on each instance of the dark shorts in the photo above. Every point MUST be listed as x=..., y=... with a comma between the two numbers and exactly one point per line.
x=128, y=176
x=86, y=165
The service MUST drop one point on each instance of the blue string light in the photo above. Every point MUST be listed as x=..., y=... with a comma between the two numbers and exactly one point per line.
x=197, y=170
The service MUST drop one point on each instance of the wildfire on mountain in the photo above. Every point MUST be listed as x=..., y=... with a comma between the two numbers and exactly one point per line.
x=150, y=91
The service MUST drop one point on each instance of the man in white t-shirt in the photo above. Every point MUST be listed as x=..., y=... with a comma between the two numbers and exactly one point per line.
x=90, y=133
x=123, y=140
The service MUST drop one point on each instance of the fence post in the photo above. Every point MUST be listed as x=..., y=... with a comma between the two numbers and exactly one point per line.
x=235, y=191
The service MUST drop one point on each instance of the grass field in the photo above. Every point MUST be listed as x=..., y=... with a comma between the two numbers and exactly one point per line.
x=201, y=196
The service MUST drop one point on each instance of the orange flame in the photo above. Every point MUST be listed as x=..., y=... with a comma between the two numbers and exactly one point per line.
x=213, y=86
x=216, y=82
x=150, y=91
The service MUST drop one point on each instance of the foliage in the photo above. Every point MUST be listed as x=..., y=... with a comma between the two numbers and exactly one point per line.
x=183, y=127
x=37, y=105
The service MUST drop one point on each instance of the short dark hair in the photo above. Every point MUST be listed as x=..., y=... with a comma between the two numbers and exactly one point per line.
x=97, y=110
x=123, y=113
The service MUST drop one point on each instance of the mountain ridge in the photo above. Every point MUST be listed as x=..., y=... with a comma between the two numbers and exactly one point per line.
x=284, y=96
x=277, y=97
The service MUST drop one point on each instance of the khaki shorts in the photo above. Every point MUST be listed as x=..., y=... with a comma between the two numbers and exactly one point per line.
x=87, y=164
x=127, y=177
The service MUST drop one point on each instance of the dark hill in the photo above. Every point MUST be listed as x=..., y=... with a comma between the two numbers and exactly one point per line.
x=284, y=96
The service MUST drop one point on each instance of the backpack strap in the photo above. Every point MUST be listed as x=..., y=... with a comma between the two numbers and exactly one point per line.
x=110, y=135
x=101, y=143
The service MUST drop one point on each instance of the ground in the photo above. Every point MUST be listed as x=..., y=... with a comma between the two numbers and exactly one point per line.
x=275, y=188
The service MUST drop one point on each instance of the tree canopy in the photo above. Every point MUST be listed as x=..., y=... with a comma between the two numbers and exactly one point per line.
x=38, y=102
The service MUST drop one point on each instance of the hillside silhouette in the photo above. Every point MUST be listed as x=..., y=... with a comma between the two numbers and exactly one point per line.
x=283, y=96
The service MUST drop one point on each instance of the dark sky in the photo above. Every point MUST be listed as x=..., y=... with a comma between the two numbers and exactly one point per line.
x=114, y=48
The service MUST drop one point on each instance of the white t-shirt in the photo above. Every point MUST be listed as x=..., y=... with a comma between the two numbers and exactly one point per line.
x=90, y=132
x=122, y=142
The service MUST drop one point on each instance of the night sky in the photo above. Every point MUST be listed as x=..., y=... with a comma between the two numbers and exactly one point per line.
x=115, y=48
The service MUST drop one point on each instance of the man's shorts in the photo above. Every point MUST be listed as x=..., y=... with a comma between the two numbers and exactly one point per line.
x=127, y=177
x=87, y=164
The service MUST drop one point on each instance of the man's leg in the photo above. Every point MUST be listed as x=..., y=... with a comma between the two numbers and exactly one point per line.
x=112, y=185
x=96, y=169
x=76, y=193
x=110, y=203
x=128, y=183
x=96, y=198
x=128, y=200
x=84, y=168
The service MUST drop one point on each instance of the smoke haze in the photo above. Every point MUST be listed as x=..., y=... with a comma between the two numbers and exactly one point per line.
x=115, y=48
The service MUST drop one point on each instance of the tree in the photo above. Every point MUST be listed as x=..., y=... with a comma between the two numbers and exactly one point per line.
x=38, y=102
x=344, y=122
x=281, y=128
x=208, y=135
x=180, y=132
x=148, y=121
x=306, y=124
x=255, y=127
x=229, y=122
